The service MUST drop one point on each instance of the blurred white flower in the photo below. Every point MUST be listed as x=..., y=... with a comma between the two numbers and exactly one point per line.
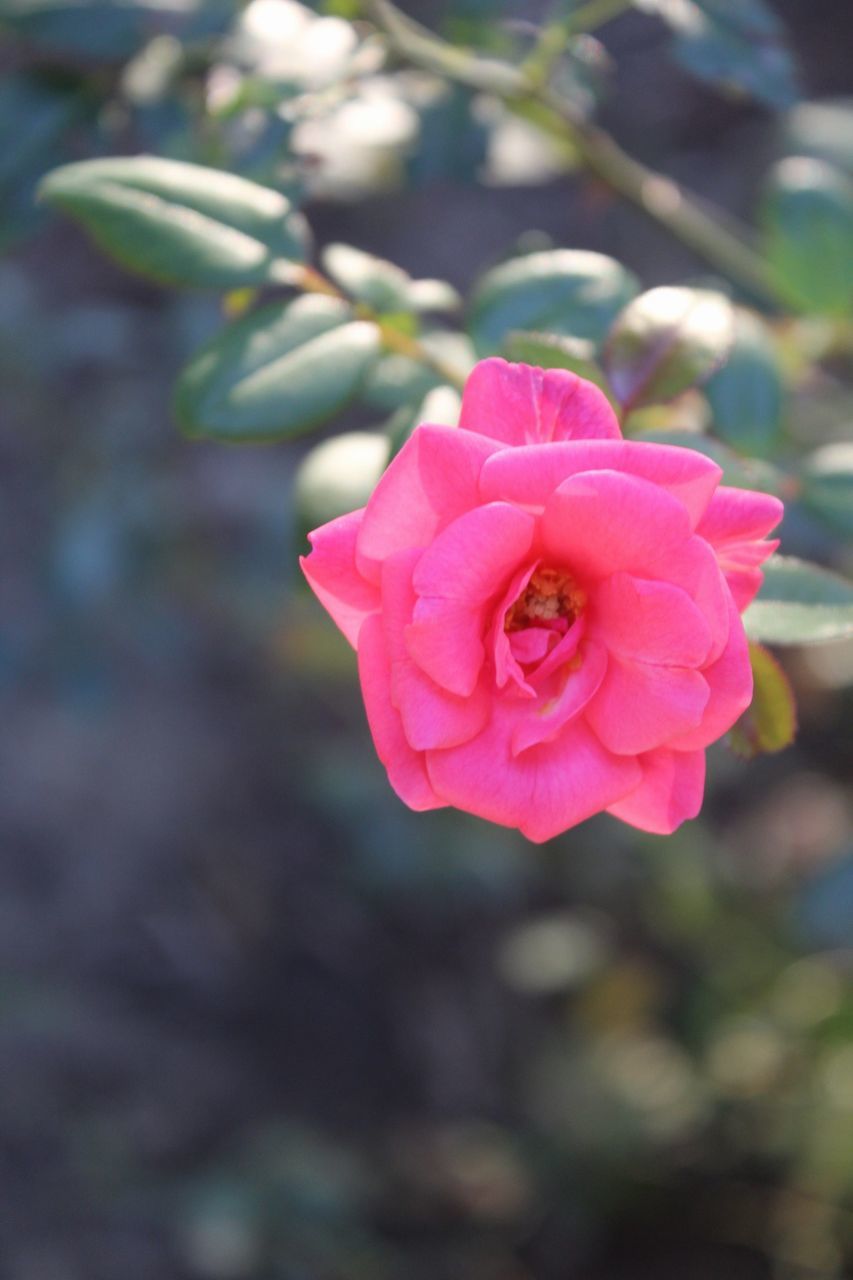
x=282, y=40
x=358, y=145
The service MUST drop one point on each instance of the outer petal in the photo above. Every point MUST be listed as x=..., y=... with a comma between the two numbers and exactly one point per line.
x=544, y=790
x=694, y=568
x=406, y=771
x=519, y=404
x=739, y=515
x=641, y=707
x=332, y=574
x=598, y=522
x=671, y=791
x=730, y=682
x=446, y=641
x=431, y=716
x=649, y=622
x=432, y=480
x=733, y=524
x=529, y=475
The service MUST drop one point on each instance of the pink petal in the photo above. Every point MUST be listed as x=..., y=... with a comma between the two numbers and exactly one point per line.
x=641, y=707
x=470, y=560
x=694, y=568
x=528, y=476
x=432, y=480
x=333, y=577
x=649, y=622
x=598, y=522
x=519, y=404
x=740, y=562
x=730, y=682
x=739, y=515
x=463, y=569
x=545, y=719
x=544, y=790
x=733, y=524
x=532, y=644
x=446, y=641
x=431, y=716
x=406, y=771
x=671, y=791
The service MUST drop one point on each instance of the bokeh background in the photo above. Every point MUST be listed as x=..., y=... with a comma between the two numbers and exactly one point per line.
x=256, y=1019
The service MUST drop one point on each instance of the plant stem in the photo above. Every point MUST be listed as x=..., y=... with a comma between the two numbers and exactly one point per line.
x=310, y=280
x=659, y=197
x=595, y=13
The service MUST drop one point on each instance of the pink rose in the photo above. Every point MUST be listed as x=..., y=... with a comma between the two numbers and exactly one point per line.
x=547, y=616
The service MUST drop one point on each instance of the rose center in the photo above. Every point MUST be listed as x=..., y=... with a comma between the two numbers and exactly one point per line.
x=551, y=599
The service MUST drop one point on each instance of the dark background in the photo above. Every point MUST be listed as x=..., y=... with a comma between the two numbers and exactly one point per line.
x=258, y=1020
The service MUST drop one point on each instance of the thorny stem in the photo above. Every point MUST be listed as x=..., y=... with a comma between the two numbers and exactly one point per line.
x=312, y=281
x=661, y=198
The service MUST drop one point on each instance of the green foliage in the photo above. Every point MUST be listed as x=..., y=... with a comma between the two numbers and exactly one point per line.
x=34, y=115
x=339, y=475
x=562, y=291
x=800, y=603
x=739, y=472
x=277, y=372
x=182, y=223
x=747, y=394
x=738, y=44
x=827, y=485
x=808, y=229
x=770, y=722
x=664, y=342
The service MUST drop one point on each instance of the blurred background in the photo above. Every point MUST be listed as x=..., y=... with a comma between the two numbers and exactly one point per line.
x=256, y=1019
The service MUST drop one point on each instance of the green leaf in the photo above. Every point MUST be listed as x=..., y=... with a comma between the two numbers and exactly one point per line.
x=747, y=395
x=807, y=216
x=666, y=341
x=740, y=473
x=396, y=380
x=823, y=130
x=33, y=119
x=181, y=223
x=277, y=372
x=800, y=603
x=380, y=284
x=433, y=295
x=739, y=44
x=339, y=475
x=551, y=351
x=769, y=724
x=563, y=291
x=827, y=480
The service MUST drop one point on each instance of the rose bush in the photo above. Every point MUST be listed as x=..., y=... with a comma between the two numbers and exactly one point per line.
x=547, y=616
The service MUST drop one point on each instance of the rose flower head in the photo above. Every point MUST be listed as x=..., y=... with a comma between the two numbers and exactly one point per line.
x=547, y=616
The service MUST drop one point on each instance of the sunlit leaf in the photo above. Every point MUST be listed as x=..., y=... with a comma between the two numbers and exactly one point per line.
x=398, y=380
x=277, y=372
x=800, y=603
x=746, y=395
x=380, y=284
x=808, y=230
x=769, y=724
x=666, y=341
x=563, y=291
x=181, y=223
x=339, y=475
x=824, y=130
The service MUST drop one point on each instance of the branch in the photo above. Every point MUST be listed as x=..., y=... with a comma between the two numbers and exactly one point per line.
x=661, y=198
